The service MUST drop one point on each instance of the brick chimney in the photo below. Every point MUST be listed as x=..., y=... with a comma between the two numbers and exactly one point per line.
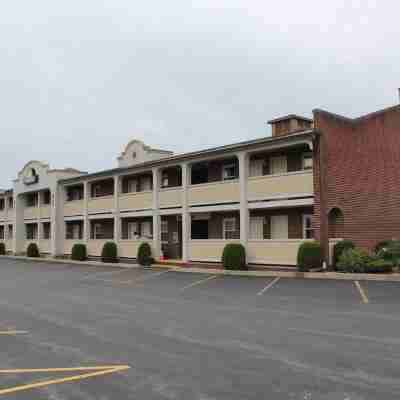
x=290, y=124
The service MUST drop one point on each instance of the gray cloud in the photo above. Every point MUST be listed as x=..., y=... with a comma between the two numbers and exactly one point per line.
x=79, y=79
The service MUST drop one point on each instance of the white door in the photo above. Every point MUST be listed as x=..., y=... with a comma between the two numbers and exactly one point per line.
x=279, y=227
x=256, y=228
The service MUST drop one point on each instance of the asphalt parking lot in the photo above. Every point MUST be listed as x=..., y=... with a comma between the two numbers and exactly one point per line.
x=80, y=332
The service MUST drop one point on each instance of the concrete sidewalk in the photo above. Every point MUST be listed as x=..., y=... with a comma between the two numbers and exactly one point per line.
x=393, y=277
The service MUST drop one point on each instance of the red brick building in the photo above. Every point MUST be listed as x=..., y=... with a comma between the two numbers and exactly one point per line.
x=357, y=177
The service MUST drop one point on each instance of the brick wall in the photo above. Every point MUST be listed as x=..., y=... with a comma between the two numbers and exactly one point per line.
x=362, y=175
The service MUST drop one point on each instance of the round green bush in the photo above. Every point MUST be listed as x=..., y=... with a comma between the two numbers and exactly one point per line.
x=381, y=245
x=109, y=253
x=32, y=250
x=391, y=252
x=309, y=256
x=144, y=254
x=354, y=260
x=234, y=257
x=2, y=249
x=379, y=267
x=79, y=252
x=339, y=248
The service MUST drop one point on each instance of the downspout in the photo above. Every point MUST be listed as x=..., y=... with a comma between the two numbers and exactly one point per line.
x=323, y=186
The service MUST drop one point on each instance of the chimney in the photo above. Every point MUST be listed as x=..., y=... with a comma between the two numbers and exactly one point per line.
x=290, y=124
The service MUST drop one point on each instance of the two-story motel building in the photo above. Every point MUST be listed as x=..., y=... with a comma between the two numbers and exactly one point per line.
x=269, y=194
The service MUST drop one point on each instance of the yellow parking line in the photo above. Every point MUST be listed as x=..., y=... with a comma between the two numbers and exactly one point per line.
x=98, y=371
x=198, y=282
x=261, y=292
x=363, y=295
x=13, y=332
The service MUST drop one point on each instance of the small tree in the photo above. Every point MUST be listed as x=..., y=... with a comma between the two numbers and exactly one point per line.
x=32, y=250
x=339, y=248
x=2, y=249
x=144, y=254
x=234, y=257
x=109, y=253
x=309, y=256
x=79, y=252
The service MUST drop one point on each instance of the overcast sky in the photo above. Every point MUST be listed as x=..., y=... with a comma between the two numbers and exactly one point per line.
x=79, y=79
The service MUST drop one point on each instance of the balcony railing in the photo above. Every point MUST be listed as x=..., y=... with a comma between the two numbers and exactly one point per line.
x=31, y=212
x=136, y=201
x=75, y=207
x=101, y=204
x=284, y=185
x=215, y=192
x=170, y=197
x=207, y=249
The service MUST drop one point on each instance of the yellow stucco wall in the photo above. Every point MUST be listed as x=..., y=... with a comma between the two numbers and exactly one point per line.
x=170, y=197
x=73, y=207
x=101, y=204
x=218, y=192
x=263, y=187
x=136, y=201
x=208, y=250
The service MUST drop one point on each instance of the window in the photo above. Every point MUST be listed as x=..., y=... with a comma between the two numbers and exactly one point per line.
x=145, y=184
x=133, y=231
x=32, y=200
x=46, y=197
x=229, y=171
x=256, y=228
x=164, y=180
x=2, y=204
x=97, y=191
x=307, y=160
x=2, y=232
x=256, y=167
x=10, y=203
x=46, y=233
x=308, y=231
x=31, y=231
x=10, y=231
x=74, y=230
x=229, y=228
x=97, y=231
x=278, y=165
x=164, y=231
x=132, y=185
x=146, y=229
x=279, y=227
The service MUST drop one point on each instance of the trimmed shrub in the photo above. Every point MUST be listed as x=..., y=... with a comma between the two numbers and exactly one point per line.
x=354, y=260
x=144, y=254
x=109, y=253
x=79, y=252
x=234, y=257
x=309, y=256
x=381, y=245
x=339, y=248
x=2, y=249
x=391, y=252
x=379, y=267
x=32, y=250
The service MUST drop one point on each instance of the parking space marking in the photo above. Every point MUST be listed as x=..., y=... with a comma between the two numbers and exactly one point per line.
x=139, y=280
x=363, y=295
x=108, y=273
x=12, y=333
x=269, y=286
x=198, y=282
x=96, y=371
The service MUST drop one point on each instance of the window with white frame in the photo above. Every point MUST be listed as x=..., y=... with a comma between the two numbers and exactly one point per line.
x=97, y=231
x=279, y=226
x=146, y=229
x=10, y=231
x=256, y=167
x=145, y=184
x=256, y=228
x=308, y=231
x=133, y=231
x=229, y=228
x=31, y=231
x=132, y=186
x=76, y=231
x=307, y=160
x=229, y=171
x=2, y=232
x=164, y=231
x=278, y=165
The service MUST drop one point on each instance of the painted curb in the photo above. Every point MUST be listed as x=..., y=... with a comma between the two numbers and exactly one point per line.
x=255, y=274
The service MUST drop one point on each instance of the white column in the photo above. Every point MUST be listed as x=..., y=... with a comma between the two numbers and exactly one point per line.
x=244, y=208
x=156, y=214
x=116, y=210
x=86, y=226
x=39, y=225
x=19, y=226
x=186, y=220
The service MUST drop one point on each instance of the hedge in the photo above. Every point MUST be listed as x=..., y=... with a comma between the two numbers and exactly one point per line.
x=309, y=256
x=234, y=257
x=109, y=253
x=79, y=252
x=32, y=250
x=339, y=248
x=144, y=254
